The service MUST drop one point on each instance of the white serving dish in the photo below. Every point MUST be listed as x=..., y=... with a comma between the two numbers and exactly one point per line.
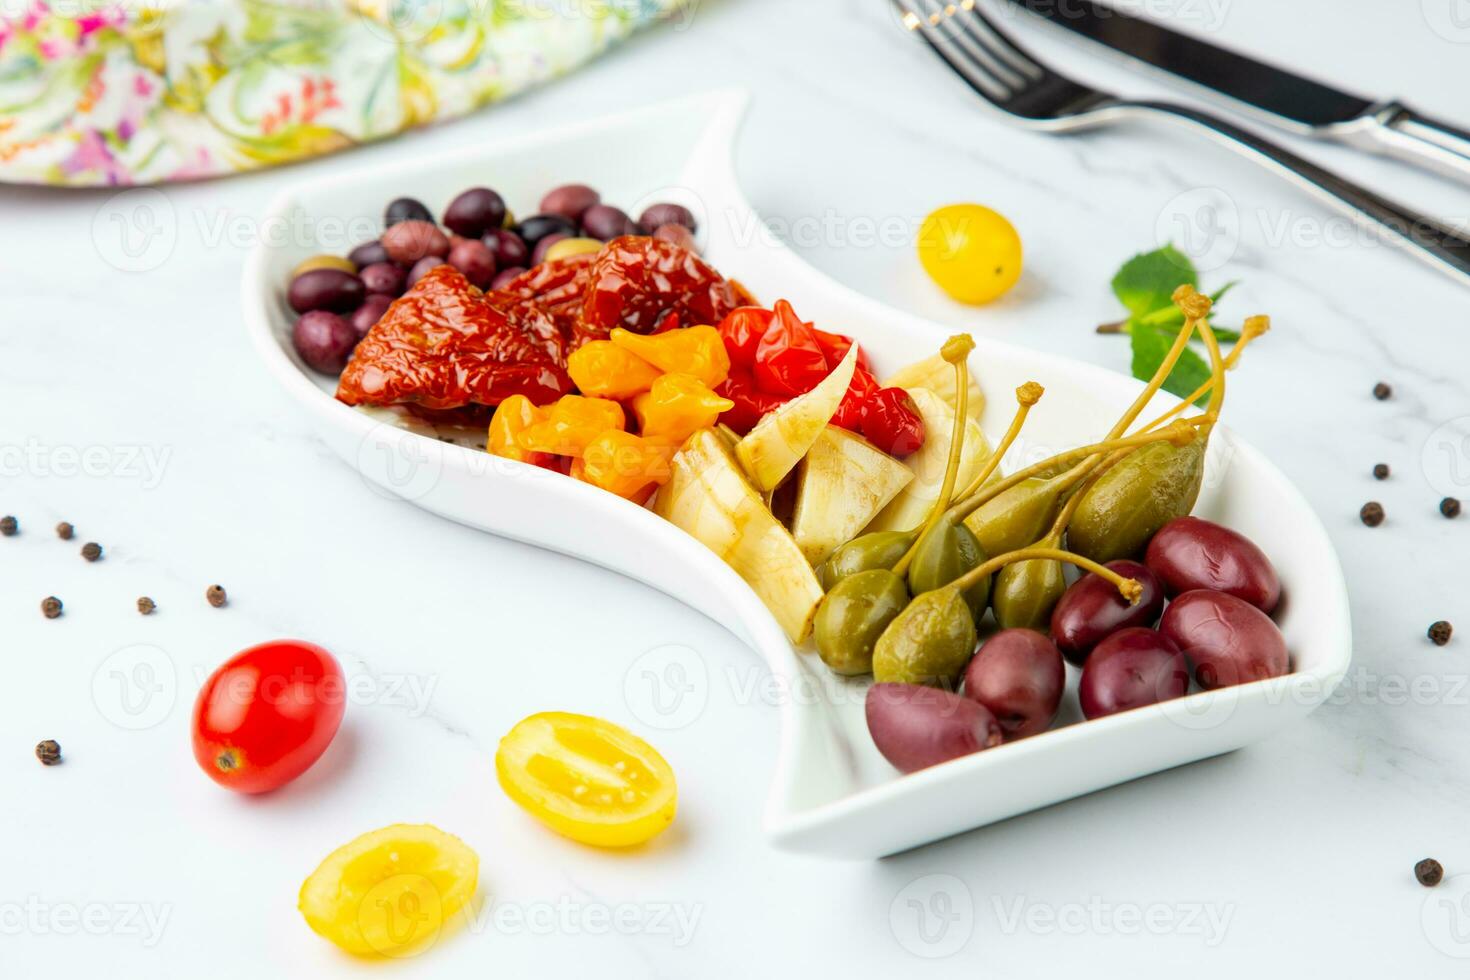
x=832, y=793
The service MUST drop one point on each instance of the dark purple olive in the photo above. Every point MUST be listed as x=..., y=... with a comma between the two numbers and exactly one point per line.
x=368, y=253
x=370, y=312
x=474, y=212
x=1018, y=675
x=324, y=340
x=677, y=235
x=406, y=209
x=1091, y=608
x=409, y=241
x=508, y=248
x=1132, y=668
x=1190, y=553
x=383, y=279
x=470, y=256
x=544, y=245
x=538, y=226
x=504, y=276
x=605, y=222
x=667, y=214
x=571, y=201
x=325, y=289
x=1227, y=640
x=422, y=266
x=916, y=727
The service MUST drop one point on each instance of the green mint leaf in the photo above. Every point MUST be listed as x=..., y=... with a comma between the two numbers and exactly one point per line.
x=1148, y=280
x=1150, y=347
x=1217, y=294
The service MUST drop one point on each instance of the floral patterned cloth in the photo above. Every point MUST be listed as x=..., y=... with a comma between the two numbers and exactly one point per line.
x=106, y=92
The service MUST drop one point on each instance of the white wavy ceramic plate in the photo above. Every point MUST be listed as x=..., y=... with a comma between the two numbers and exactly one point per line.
x=832, y=793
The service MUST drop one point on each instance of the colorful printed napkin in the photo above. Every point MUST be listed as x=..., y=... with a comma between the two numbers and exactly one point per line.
x=108, y=92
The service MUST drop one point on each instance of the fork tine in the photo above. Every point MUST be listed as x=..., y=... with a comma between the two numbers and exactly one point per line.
x=922, y=19
x=984, y=30
x=968, y=40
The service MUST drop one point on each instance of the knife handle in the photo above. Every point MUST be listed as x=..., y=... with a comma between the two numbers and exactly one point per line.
x=1426, y=238
x=1395, y=130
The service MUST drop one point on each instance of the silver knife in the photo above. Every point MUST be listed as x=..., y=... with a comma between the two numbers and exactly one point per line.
x=1276, y=95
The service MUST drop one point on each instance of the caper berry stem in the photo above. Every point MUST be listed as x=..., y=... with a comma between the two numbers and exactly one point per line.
x=1026, y=396
x=1130, y=589
x=1196, y=307
x=1181, y=341
x=1255, y=326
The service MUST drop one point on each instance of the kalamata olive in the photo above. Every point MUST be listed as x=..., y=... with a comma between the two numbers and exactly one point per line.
x=915, y=727
x=325, y=289
x=324, y=262
x=678, y=235
x=368, y=253
x=1227, y=640
x=607, y=222
x=1091, y=608
x=538, y=226
x=1018, y=675
x=409, y=241
x=1190, y=553
x=504, y=276
x=507, y=247
x=667, y=214
x=475, y=212
x=370, y=312
x=1131, y=668
x=470, y=256
x=383, y=279
x=571, y=201
x=420, y=267
x=538, y=255
x=406, y=209
x=324, y=340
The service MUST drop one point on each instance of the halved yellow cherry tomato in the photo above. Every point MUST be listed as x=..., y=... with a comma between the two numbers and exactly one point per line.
x=972, y=252
x=389, y=892
x=587, y=779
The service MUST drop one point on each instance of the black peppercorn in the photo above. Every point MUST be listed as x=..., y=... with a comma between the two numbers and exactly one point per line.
x=64, y=531
x=216, y=595
x=1449, y=507
x=1380, y=471
x=1382, y=391
x=1372, y=513
x=146, y=605
x=48, y=752
x=9, y=525
x=51, y=607
x=91, y=551
x=1441, y=632
x=1429, y=872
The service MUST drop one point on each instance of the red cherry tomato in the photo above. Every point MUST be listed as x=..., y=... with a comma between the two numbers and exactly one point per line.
x=742, y=331
x=266, y=714
x=750, y=402
x=836, y=346
x=789, y=360
x=850, y=413
x=892, y=423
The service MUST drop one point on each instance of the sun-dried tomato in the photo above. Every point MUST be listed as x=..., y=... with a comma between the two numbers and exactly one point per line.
x=445, y=345
x=557, y=287
x=635, y=282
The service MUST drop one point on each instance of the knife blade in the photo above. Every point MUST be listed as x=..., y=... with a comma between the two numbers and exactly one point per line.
x=1284, y=97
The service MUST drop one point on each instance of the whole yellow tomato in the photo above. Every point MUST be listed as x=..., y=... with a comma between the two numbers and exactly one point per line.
x=972, y=252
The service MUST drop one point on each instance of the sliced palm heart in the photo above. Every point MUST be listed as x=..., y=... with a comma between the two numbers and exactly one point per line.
x=781, y=438
x=709, y=497
x=843, y=481
x=389, y=892
x=937, y=375
x=587, y=779
x=909, y=509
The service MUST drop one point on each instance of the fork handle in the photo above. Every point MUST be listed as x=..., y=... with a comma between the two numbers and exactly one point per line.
x=1433, y=242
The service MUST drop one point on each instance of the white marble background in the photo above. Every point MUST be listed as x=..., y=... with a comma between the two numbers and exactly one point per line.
x=131, y=405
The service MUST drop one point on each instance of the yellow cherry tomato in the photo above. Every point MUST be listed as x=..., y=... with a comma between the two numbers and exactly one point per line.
x=587, y=779
x=389, y=892
x=973, y=253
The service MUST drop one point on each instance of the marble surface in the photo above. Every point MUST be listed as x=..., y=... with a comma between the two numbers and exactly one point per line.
x=132, y=406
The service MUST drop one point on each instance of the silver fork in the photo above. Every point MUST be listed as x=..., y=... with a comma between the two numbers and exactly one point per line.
x=1013, y=81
